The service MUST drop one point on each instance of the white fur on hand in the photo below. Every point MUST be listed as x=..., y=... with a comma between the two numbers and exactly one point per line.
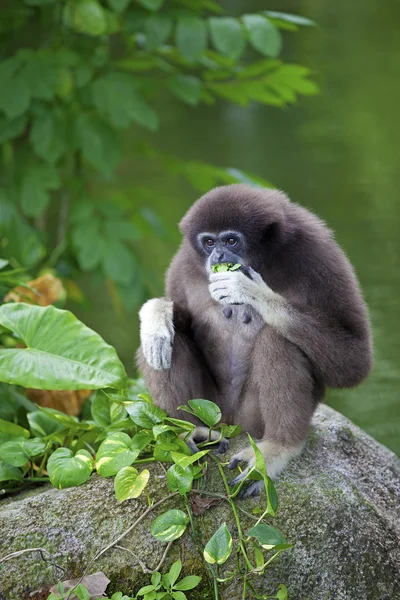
x=157, y=332
x=234, y=287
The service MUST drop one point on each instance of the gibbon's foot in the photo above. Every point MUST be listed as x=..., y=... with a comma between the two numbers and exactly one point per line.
x=202, y=434
x=247, y=456
x=276, y=458
x=252, y=491
x=255, y=487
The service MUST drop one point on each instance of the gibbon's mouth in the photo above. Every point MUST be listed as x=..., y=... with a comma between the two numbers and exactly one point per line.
x=221, y=267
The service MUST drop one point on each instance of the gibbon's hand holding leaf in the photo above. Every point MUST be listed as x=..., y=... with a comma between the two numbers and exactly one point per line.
x=157, y=332
x=236, y=287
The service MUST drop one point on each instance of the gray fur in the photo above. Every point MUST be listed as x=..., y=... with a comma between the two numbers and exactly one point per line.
x=298, y=321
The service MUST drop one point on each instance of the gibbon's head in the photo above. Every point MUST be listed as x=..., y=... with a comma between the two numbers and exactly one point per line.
x=236, y=224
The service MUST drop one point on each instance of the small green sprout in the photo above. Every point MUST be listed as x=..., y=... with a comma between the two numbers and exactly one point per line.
x=223, y=267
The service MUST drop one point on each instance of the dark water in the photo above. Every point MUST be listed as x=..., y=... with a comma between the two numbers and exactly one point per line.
x=337, y=153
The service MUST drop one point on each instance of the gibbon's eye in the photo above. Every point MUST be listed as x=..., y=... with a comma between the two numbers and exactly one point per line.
x=231, y=241
x=209, y=242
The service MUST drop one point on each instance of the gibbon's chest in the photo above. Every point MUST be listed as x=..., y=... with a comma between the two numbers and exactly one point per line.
x=225, y=336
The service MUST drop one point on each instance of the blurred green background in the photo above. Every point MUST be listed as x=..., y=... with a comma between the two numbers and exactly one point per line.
x=335, y=152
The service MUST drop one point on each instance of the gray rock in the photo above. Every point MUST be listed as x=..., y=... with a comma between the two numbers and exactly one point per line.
x=339, y=505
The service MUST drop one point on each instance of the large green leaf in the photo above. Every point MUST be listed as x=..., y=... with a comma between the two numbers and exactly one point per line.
x=191, y=37
x=219, y=547
x=61, y=354
x=66, y=470
x=227, y=36
x=169, y=526
x=264, y=36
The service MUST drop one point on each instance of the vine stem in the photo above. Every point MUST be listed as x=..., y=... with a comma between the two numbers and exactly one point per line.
x=120, y=537
x=234, y=510
x=200, y=547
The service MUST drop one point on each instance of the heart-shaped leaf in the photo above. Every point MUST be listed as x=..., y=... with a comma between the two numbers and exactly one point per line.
x=268, y=536
x=17, y=453
x=61, y=353
x=145, y=415
x=179, y=479
x=129, y=483
x=104, y=411
x=115, y=453
x=168, y=443
x=206, y=411
x=169, y=526
x=66, y=470
x=219, y=547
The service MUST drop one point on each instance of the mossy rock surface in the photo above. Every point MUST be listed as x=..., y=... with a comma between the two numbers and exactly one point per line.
x=339, y=505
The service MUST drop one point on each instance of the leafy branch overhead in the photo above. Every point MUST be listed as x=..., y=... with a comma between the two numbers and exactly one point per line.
x=76, y=75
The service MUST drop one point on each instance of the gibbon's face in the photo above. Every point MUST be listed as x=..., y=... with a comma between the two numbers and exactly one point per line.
x=223, y=247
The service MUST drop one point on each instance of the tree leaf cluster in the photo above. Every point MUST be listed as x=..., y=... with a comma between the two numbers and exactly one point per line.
x=77, y=76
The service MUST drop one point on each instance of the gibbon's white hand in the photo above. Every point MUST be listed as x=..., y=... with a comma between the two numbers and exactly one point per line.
x=234, y=287
x=157, y=332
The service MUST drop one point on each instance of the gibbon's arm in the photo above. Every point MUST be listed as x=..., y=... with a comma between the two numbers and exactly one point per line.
x=339, y=347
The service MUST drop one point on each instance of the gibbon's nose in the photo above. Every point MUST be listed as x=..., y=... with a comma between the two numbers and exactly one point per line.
x=223, y=255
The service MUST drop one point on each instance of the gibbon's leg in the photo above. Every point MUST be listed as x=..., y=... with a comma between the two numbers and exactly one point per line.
x=277, y=404
x=186, y=378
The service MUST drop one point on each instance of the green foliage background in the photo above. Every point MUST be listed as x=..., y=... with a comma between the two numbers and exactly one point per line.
x=76, y=76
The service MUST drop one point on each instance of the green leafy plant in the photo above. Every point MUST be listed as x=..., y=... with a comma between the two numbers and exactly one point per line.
x=167, y=586
x=122, y=431
x=76, y=76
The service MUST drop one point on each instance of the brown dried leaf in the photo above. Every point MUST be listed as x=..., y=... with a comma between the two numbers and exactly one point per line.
x=66, y=401
x=47, y=289
x=199, y=504
x=96, y=585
